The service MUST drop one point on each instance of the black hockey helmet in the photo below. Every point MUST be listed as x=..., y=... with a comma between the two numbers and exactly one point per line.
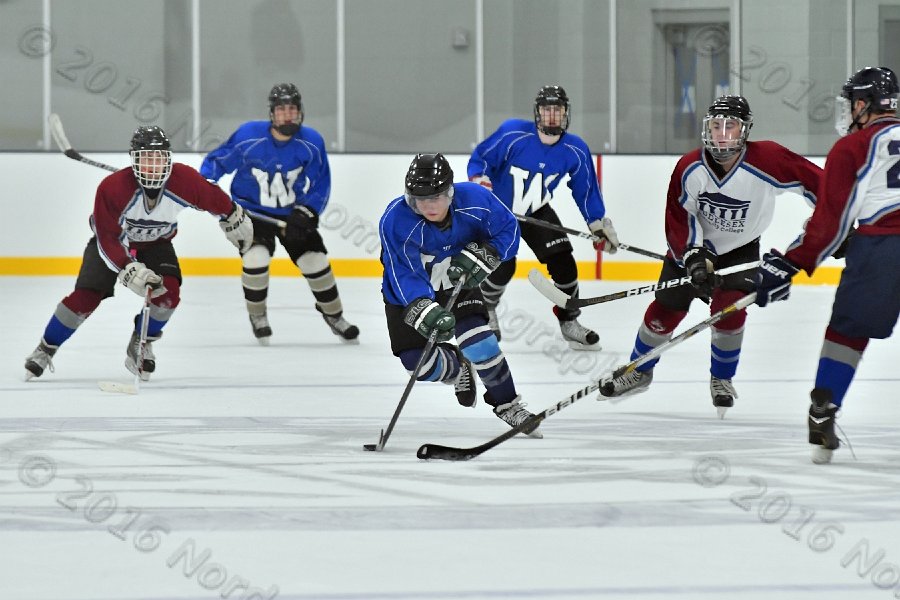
x=727, y=107
x=151, y=156
x=876, y=86
x=286, y=94
x=552, y=95
x=429, y=176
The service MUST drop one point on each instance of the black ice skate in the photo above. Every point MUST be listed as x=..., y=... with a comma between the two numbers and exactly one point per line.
x=628, y=384
x=261, y=328
x=514, y=414
x=39, y=360
x=341, y=328
x=132, y=356
x=464, y=384
x=577, y=335
x=723, y=394
x=821, y=426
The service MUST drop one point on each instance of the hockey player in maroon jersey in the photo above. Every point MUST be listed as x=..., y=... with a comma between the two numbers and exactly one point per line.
x=861, y=184
x=134, y=221
x=721, y=198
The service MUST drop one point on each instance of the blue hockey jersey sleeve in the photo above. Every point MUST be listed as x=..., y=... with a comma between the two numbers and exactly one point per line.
x=402, y=239
x=224, y=159
x=583, y=180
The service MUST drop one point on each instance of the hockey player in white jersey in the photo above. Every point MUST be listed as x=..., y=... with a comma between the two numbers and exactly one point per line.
x=721, y=198
x=523, y=163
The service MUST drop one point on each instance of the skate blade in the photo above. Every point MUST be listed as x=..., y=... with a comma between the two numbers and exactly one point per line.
x=721, y=410
x=115, y=387
x=29, y=375
x=263, y=341
x=352, y=342
x=129, y=364
x=536, y=434
x=822, y=456
x=584, y=347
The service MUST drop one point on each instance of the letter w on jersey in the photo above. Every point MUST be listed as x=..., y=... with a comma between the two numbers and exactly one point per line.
x=280, y=190
x=539, y=192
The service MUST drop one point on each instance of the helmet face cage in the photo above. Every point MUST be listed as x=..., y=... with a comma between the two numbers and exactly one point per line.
x=552, y=95
x=151, y=157
x=726, y=127
x=429, y=178
x=876, y=86
x=283, y=94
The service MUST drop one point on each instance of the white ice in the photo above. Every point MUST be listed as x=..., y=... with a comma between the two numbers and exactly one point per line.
x=251, y=460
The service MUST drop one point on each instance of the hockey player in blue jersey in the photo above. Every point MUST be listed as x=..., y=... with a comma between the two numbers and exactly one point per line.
x=434, y=235
x=523, y=163
x=281, y=170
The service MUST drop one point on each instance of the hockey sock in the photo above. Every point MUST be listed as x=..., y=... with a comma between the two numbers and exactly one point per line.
x=657, y=327
x=70, y=314
x=161, y=308
x=479, y=344
x=837, y=363
x=442, y=365
x=725, y=352
x=493, y=287
x=317, y=270
x=255, y=278
x=564, y=273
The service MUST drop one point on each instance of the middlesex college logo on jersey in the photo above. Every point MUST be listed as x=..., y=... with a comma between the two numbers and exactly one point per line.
x=723, y=212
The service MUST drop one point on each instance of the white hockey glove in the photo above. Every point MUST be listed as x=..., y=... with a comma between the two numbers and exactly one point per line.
x=136, y=277
x=483, y=181
x=238, y=229
x=603, y=228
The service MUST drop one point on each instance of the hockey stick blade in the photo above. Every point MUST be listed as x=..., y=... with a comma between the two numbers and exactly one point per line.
x=376, y=447
x=114, y=387
x=59, y=134
x=547, y=289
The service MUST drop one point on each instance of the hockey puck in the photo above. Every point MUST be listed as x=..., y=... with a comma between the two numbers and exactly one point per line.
x=369, y=447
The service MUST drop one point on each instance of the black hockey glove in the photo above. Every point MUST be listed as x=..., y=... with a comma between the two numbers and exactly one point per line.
x=425, y=315
x=302, y=219
x=699, y=267
x=841, y=251
x=775, y=273
x=476, y=261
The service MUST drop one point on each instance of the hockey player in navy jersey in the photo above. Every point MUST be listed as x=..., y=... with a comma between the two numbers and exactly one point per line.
x=523, y=163
x=721, y=198
x=437, y=233
x=133, y=222
x=861, y=184
x=281, y=170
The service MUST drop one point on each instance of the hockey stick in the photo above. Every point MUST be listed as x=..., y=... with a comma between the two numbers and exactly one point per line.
x=563, y=300
x=427, y=451
x=432, y=339
x=59, y=136
x=585, y=235
x=125, y=388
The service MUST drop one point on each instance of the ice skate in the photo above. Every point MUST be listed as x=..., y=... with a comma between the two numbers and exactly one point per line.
x=628, y=384
x=514, y=414
x=577, y=335
x=39, y=360
x=261, y=328
x=723, y=395
x=132, y=357
x=340, y=327
x=464, y=385
x=821, y=426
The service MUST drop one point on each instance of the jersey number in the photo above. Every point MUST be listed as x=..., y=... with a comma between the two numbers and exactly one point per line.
x=280, y=192
x=893, y=174
x=527, y=202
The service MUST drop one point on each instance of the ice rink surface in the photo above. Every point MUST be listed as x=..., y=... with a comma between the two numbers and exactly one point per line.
x=238, y=472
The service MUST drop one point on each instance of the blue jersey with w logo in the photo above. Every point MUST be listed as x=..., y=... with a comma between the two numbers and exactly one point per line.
x=525, y=172
x=272, y=176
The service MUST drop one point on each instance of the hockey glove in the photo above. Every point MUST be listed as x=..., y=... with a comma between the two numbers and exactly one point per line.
x=473, y=264
x=699, y=267
x=841, y=251
x=483, y=181
x=303, y=218
x=425, y=316
x=776, y=273
x=238, y=229
x=136, y=277
x=603, y=228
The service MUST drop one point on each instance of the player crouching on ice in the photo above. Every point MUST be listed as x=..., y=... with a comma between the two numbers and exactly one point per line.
x=134, y=221
x=437, y=233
